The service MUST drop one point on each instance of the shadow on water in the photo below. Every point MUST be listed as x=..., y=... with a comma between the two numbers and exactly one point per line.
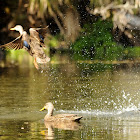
x=106, y=95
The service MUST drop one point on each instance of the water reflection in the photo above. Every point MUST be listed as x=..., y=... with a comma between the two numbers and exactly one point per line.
x=108, y=99
x=50, y=126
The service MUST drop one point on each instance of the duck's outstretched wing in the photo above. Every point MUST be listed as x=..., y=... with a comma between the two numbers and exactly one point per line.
x=15, y=44
x=42, y=31
x=38, y=34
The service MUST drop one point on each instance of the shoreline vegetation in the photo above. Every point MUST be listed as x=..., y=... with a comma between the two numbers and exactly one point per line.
x=22, y=59
x=83, y=32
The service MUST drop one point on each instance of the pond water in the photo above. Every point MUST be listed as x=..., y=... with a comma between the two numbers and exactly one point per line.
x=107, y=96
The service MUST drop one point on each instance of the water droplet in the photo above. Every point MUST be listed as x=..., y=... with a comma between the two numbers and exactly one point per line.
x=22, y=127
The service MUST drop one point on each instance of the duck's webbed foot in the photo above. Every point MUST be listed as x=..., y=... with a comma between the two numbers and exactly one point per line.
x=35, y=64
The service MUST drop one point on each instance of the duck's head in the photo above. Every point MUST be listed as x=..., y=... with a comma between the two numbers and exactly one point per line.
x=18, y=28
x=48, y=106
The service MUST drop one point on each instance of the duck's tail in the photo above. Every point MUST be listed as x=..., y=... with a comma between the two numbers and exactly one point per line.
x=77, y=119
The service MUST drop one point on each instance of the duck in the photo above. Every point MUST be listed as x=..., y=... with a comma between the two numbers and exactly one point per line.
x=49, y=117
x=33, y=43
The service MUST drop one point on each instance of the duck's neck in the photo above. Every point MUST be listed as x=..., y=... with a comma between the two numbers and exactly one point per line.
x=24, y=35
x=50, y=112
x=21, y=31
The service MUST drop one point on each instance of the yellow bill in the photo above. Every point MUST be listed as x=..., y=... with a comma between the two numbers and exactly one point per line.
x=12, y=29
x=42, y=109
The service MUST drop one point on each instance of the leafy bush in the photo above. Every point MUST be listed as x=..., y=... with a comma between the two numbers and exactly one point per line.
x=96, y=42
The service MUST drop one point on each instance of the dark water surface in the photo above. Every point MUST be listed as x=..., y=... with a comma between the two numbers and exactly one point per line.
x=108, y=98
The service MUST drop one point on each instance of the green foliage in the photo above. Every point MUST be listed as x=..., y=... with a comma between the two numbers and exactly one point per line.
x=53, y=42
x=96, y=42
x=132, y=52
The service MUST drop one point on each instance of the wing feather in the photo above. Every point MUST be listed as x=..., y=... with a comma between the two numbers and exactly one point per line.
x=15, y=44
x=41, y=31
x=38, y=34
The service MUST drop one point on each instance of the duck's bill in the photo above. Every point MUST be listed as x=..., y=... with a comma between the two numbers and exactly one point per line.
x=42, y=109
x=12, y=29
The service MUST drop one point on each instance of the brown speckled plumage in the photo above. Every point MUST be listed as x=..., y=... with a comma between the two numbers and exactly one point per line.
x=59, y=117
x=35, y=42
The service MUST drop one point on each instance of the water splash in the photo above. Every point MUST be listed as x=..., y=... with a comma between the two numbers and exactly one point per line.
x=128, y=111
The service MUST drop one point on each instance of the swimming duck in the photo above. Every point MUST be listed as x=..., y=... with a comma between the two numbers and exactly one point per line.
x=59, y=117
x=32, y=43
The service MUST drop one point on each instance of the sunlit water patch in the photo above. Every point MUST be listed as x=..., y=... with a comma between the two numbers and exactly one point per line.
x=108, y=100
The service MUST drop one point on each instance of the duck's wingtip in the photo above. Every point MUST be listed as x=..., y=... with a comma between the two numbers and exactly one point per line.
x=78, y=119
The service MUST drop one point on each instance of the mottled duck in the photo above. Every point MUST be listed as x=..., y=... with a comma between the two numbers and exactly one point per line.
x=59, y=117
x=32, y=43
